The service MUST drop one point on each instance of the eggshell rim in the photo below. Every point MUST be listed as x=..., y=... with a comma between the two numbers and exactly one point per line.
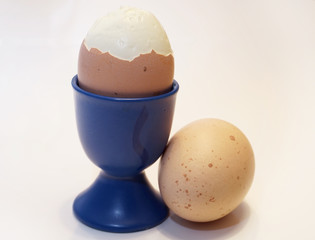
x=75, y=85
x=100, y=52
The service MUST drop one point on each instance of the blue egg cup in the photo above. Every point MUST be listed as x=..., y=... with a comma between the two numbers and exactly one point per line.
x=122, y=136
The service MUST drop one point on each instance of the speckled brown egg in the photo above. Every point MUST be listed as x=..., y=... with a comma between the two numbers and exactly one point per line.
x=206, y=170
x=126, y=54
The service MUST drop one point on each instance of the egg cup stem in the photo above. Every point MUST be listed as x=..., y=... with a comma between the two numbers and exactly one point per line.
x=120, y=205
x=122, y=136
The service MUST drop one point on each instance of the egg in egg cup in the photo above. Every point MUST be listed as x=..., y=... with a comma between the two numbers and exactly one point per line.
x=124, y=102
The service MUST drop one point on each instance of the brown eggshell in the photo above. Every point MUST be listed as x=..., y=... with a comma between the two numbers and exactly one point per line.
x=146, y=75
x=206, y=170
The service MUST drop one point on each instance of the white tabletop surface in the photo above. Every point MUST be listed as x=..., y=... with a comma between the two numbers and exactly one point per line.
x=251, y=63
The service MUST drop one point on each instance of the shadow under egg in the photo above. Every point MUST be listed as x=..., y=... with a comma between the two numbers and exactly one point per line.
x=178, y=228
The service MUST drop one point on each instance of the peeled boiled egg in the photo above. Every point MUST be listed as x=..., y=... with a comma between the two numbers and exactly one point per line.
x=206, y=170
x=126, y=54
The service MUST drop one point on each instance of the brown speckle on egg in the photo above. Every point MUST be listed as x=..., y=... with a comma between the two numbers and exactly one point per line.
x=187, y=206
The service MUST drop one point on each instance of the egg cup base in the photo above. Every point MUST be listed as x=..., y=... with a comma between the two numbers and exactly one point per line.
x=120, y=205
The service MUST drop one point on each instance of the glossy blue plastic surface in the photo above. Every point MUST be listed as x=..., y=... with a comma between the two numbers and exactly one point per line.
x=122, y=136
x=120, y=205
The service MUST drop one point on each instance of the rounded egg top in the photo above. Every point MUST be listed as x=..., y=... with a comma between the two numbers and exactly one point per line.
x=128, y=32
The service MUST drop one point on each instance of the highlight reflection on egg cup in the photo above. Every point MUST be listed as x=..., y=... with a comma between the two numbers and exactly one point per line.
x=122, y=136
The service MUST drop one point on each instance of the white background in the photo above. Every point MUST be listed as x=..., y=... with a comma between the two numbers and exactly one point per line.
x=249, y=62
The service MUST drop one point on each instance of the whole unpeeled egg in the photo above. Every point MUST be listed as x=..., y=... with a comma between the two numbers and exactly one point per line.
x=126, y=54
x=206, y=170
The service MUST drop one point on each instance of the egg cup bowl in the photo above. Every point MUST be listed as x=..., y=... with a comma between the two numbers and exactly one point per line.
x=122, y=136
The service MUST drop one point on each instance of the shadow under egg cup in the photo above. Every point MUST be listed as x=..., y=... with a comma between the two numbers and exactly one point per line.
x=122, y=136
